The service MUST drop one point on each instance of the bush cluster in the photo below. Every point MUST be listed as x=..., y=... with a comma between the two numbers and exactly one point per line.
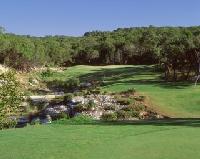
x=68, y=97
x=109, y=116
x=10, y=100
x=124, y=101
x=85, y=107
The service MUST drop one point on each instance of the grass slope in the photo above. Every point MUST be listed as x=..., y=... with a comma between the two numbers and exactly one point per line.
x=123, y=141
x=174, y=99
x=172, y=138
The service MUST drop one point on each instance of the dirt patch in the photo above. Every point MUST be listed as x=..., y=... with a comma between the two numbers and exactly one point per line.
x=152, y=106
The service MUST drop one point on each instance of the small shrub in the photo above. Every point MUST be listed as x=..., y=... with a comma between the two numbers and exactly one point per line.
x=58, y=83
x=84, y=92
x=129, y=91
x=140, y=107
x=90, y=105
x=134, y=114
x=95, y=91
x=73, y=83
x=79, y=94
x=47, y=73
x=137, y=108
x=10, y=100
x=125, y=115
x=80, y=108
x=104, y=92
x=16, y=60
x=130, y=108
x=70, y=84
x=55, y=84
x=109, y=116
x=109, y=107
x=68, y=97
x=159, y=68
x=62, y=115
x=30, y=79
x=140, y=98
x=7, y=122
x=35, y=121
x=82, y=118
x=121, y=114
x=79, y=119
x=41, y=105
x=124, y=101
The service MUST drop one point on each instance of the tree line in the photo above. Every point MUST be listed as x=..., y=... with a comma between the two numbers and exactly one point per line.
x=176, y=50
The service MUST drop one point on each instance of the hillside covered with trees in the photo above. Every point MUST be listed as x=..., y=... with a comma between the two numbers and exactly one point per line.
x=175, y=49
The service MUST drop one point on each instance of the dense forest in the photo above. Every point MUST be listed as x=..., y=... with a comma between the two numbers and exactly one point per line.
x=176, y=50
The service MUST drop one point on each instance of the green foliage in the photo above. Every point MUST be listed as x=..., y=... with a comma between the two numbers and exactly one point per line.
x=15, y=59
x=95, y=91
x=167, y=96
x=134, y=114
x=35, y=122
x=139, y=107
x=67, y=85
x=10, y=100
x=129, y=108
x=41, y=105
x=62, y=115
x=121, y=114
x=2, y=30
x=85, y=107
x=109, y=116
x=80, y=107
x=74, y=82
x=124, y=101
x=79, y=119
x=47, y=73
x=130, y=111
x=68, y=97
x=139, y=98
x=175, y=48
x=129, y=91
x=91, y=104
x=109, y=107
x=82, y=119
x=82, y=93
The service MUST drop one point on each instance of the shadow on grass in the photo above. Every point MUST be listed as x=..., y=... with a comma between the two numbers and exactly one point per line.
x=193, y=122
x=137, y=75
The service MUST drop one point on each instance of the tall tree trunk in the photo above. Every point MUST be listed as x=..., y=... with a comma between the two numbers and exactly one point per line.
x=174, y=74
x=167, y=72
x=198, y=76
x=198, y=60
x=188, y=72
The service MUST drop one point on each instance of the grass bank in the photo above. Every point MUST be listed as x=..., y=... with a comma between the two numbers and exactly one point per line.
x=180, y=99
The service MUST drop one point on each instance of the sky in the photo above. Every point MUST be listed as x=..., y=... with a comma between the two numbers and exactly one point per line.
x=75, y=17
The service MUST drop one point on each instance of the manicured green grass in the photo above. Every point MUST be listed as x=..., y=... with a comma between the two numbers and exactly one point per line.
x=173, y=99
x=164, y=139
x=123, y=141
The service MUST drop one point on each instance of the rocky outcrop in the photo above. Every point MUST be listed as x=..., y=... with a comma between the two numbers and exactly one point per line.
x=55, y=110
x=93, y=105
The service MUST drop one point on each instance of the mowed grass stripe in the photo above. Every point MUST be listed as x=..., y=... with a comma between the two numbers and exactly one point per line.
x=100, y=141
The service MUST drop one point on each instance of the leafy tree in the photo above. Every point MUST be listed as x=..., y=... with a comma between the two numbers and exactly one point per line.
x=10, y=100
x=2, y=30
x=175, y=48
